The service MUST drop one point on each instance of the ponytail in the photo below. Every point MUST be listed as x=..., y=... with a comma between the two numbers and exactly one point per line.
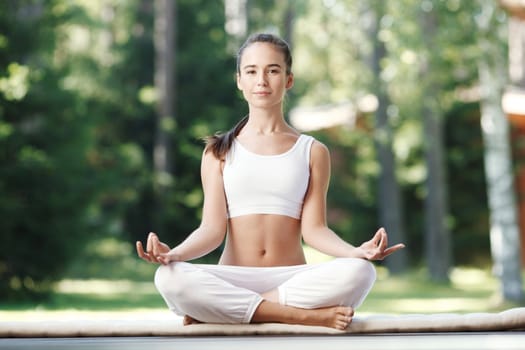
x=220, y=144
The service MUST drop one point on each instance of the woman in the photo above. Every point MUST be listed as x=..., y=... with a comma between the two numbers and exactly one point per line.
x=265, y=189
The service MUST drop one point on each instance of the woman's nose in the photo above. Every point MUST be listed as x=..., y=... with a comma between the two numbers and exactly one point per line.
x=261, y=79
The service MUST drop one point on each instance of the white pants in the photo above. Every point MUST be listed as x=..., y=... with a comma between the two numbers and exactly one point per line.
x=231, y=294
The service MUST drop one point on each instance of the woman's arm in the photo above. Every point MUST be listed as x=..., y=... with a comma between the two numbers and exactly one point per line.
x=210, y=233
x=314, y=228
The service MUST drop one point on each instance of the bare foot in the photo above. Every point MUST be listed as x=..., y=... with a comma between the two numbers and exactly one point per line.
x=338, y=317
x=187, y=320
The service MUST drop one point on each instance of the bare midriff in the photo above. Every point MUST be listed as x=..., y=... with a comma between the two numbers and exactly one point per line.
x=263, y=240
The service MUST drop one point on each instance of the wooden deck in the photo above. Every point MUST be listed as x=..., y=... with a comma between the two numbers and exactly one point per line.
x=421, y=341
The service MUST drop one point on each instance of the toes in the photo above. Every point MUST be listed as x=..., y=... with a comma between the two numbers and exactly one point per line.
x=342, y=324
x=344, y=319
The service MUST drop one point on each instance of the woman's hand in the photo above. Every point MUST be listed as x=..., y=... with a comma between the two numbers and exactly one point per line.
x=155, y=249
x=377, y=248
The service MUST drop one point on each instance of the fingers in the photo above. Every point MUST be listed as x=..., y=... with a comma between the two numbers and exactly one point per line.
x=156, y=245
x=140, y=250
x=377, y=237
x=383, y=243
x=381, y=249
x=149, y=243
x=141, y=253
x=380, y=241
x=152, y=251
x=398, y=246
x=152, y=247
x=393, y=249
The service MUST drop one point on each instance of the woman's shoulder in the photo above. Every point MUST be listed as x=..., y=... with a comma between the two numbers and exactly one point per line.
x=319, y=152
x=317, y=146
x=210, y=161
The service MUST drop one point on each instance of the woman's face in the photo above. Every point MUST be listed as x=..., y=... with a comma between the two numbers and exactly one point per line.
x=262, y=78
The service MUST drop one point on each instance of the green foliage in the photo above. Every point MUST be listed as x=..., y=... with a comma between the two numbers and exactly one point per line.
x=469, y=214
x=207, y=102
x=77, y=122
x=68, y=168
x=44, y=190
x=332, y=66
x=352, y=196
x=109, y=258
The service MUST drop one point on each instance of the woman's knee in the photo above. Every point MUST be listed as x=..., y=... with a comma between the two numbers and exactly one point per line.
x=171, y=280
x=357, y=279
x=367, y=270
x=358, y=272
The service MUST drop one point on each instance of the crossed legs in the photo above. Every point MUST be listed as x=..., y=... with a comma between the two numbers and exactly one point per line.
x=325, y=294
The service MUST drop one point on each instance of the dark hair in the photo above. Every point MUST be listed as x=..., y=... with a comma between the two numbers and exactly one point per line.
x=221, y=143
x=279, y=43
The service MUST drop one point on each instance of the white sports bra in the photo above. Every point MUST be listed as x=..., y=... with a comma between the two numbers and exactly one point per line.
x=267, y=184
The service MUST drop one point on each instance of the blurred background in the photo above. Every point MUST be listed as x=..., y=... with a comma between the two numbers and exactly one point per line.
x=104, y=104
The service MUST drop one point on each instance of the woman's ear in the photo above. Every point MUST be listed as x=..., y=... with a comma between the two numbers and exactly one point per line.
x=238, y=78
x=289, y=81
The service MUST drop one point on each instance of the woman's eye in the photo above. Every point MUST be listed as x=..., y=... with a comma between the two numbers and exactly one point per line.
x=250, y=72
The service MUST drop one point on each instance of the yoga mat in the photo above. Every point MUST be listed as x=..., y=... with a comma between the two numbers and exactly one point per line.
x=512, y=319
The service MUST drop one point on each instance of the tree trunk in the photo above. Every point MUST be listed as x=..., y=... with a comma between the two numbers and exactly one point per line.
x=437, y=236
x=389, y=199
x=504, y=233
x=164, y=41
x=163, y=162
x=288, y=20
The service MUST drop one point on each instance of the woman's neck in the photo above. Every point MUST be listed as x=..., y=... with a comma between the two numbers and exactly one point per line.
x=266, y=122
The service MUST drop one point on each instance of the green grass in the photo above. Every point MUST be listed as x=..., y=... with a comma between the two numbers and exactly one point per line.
x=117, y=284
x=81, y=299
x=470, y=290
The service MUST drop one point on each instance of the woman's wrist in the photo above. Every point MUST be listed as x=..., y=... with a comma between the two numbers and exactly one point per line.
x=359, y=253
x=175, y=254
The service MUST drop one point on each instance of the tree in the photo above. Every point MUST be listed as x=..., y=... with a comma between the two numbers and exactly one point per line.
x=46, y=181
x=504, y=232
x=437, y=235
x=389, y=203
x=165, y=61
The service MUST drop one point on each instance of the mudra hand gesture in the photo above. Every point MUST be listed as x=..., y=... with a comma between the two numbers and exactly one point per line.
x=377, y=248
x=155, y=249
